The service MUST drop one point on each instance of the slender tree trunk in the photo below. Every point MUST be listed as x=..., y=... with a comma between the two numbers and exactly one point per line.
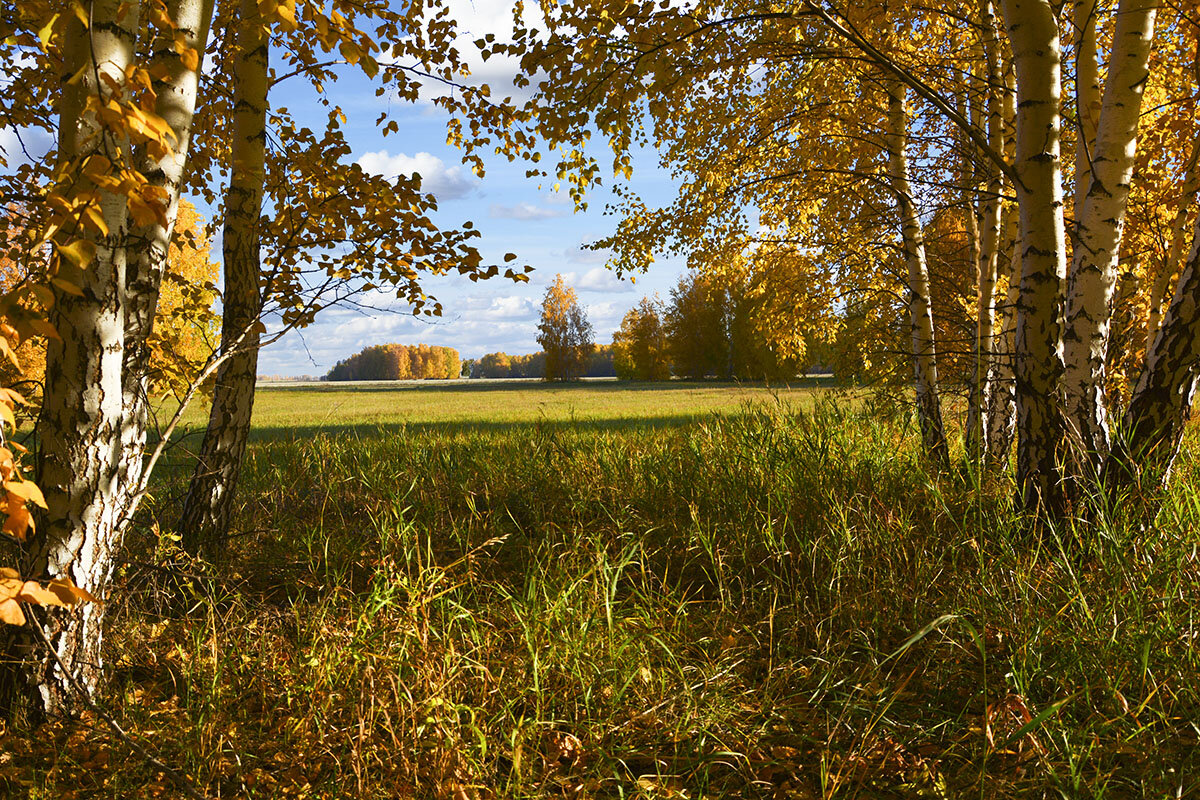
x=1002, y=411
x=1148, y=441
x=1033, y=30
x=150, y=245
x=969, y=192
x=1087, y=97
x=1001, y=406
x=1098, y=237
x=989, y=240
x=924, y=352
x=81, y=419
x=209, y=502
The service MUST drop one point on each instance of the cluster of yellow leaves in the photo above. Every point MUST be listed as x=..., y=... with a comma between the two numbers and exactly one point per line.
x=14, y=592
x=186, y=329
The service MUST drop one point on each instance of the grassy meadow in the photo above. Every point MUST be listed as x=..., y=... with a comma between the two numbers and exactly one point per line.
x=615, y=591
x=373, y=407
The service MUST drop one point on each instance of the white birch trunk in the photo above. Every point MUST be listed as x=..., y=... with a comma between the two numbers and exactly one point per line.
x=175, y=102
x=1033, y=31
x=82, y=409
x=989, y=239
x=1001, y=406
x=1098, y=237
x=924, y=351
x=1162, y=402
x=1002, y=416
x=208, y=505
x=1087, y=97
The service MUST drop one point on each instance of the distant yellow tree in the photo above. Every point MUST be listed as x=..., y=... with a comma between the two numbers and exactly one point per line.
x=564, y=333
x=495, y=365
x=640, y=344
x=697, y=327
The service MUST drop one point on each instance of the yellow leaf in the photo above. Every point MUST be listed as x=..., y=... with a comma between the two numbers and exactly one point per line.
x=34, y=592
x=96, y=219
x=79, y=252
x=45, y=33
x=27, y=491
x=69, y=593
x=7, y=352
x=286, y=14
x=44, y=328
x=10, y=613
x=10, y=583
x=67, y=286
x=14, y=397
x=189, y=57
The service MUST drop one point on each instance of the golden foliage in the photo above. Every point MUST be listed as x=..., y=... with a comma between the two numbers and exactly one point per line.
x=186, y=330
x=564, y=333
x=398, y=362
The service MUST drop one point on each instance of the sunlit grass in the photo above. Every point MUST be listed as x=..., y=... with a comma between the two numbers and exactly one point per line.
x=776, y=601
x=341, y=406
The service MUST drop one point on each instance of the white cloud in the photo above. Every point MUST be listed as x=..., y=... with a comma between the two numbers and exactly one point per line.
x=512, y=307
x=605, y=317
x=581, y=255
x=600, y=279
x=523, y=211
x=446, y=183
x=477, y=19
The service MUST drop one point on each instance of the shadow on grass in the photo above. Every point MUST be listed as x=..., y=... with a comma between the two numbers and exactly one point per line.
x=371, y=430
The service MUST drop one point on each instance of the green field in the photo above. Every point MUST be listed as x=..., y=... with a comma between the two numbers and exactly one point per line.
x=614, y=591
x=496, y=404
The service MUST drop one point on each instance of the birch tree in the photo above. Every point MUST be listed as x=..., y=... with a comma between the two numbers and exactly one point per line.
x=1099, y=225
x=220, y=456
x=924, y=347
x=87, y=437
x=990, y=214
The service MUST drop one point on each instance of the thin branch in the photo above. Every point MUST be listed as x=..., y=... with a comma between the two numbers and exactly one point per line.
x=920, y=87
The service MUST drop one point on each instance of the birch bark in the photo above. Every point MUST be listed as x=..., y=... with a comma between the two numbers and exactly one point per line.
x=924, y=351
x=989, y=237
x=1002, y=417
x=82, y=410
x=1087, y=97
x=209, y=502
x=1162, y=402
x=1001, y=406
x=1033, y=31
x=175, y=102
x=1098, y=236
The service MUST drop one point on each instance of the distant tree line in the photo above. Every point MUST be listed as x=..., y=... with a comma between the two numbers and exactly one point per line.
x=568, y=351
x=533, y=365
x=708, y=328
x=394, y=362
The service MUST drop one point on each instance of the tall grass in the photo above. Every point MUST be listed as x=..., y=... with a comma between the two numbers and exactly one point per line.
x=777, y=603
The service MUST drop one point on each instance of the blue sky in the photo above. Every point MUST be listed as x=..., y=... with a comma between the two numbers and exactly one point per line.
x=511, y=211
